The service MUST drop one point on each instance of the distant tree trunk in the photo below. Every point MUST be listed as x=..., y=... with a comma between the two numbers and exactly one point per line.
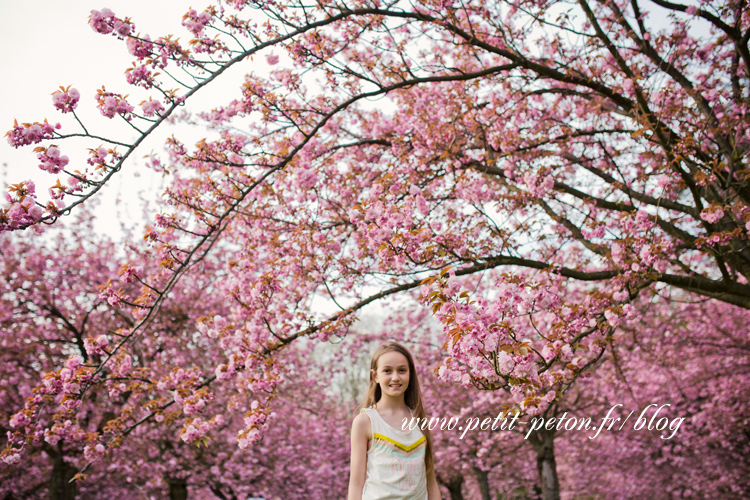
x=454, y=486
x=543, y=442
x=177, y=489
x=60, y=487
x=484, y=483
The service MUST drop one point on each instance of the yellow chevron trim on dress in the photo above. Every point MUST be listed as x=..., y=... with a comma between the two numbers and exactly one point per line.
x=402, y=446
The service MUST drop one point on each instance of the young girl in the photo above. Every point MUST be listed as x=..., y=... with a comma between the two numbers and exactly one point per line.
x=389, y=463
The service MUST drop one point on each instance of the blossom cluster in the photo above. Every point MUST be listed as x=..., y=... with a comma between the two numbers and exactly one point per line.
x=140, y=76
x=105, y=22
x=51, y=159
x=526, y=339
x=197, y=428
x=109, y=295
x=196, y=23
x=256, y=422
x=111, y=104
x=96, y=345
x=23, y=208
x=30, y=133
x=98, y=157
x=66, y=99
x=152, y=107
x=141, y=48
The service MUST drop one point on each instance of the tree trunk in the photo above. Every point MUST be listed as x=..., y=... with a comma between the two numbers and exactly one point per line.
x=454, y=486
x=60, y=487
x=177, y=489
x=484, y=483
x=543, y=441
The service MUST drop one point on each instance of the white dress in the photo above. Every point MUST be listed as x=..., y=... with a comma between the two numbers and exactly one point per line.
x=395, y=462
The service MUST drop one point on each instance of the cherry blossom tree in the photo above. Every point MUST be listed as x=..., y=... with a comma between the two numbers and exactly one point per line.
x=530, y=169
x=56, y=319
x=50, y=313
x=693, y=357
x=684, y=357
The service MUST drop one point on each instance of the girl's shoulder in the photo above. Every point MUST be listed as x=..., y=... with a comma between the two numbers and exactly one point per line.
x=362, y=424
x=364, y=415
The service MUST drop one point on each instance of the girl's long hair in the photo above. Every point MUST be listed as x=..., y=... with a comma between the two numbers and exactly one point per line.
x=412, y=396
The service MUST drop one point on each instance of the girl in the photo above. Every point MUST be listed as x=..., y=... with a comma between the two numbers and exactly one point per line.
x=389, y=463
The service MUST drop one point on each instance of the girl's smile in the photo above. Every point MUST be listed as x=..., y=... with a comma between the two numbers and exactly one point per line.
x=393, y=373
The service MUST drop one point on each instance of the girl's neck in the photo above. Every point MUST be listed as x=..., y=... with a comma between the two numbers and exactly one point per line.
x=391, y=402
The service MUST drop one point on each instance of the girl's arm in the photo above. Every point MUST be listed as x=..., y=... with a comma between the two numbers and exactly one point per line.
x=358, y=473
x=433, y=490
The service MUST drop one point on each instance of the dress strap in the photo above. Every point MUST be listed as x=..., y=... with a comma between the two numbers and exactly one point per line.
x=374, y=423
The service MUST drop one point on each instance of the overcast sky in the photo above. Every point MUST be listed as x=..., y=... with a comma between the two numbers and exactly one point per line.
x=48, y=43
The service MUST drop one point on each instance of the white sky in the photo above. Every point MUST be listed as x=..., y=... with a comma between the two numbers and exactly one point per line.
x=48, y=43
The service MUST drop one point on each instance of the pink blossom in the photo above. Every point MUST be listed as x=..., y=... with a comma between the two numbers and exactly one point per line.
x=51, y=437
x=122, y=28
x=140, y=76
x=712, y=215
x=628, y=310
x=74, y=362
x=660, y=265
x=71, y=388
x=618, y=252
x=20, y=419
x=93, y=347
x=612, y=317
x=51, y=160
x=130, y=274
x=98, y=22
x=152, y=107
x=272, y=59
x=620, y=295
x=71, y=403
x=140, y=48
x=110, y=104
x=30, y=133
x=93, y=453
x=105, y=22
x=66, y=100
x=422, y=205
x=196, y=23
x=12, y=457
x=220, y=322
x=547, y=353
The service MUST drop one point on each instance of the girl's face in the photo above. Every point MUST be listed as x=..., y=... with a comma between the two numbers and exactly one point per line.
x=392, y=374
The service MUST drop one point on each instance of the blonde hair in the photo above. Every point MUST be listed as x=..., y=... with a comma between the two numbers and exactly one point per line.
x=412, y=395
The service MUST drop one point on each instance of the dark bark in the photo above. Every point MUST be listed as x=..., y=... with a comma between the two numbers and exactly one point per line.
x=177, y=489
x=543, y=442
x=454, y=486
x=229, y=495
x=484, y=483
x=60, y=485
